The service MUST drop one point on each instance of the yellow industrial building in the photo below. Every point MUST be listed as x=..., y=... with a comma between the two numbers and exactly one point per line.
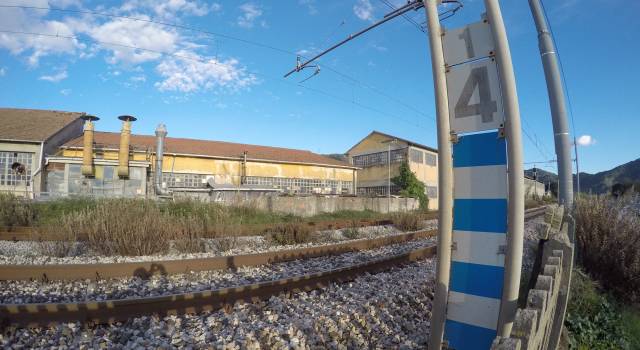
x=378, y=157
x=124, y=164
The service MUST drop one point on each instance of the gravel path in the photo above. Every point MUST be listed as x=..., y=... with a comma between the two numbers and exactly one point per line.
x=18, y=292
x=382, y=311
x=26, y=253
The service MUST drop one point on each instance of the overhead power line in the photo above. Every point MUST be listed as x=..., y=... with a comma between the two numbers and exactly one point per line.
x=409, y=19
x=197, y=59
x=353, y=80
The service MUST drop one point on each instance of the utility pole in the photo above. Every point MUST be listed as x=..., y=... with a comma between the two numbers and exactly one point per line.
x=557, y=103
x=389, y=142
x=445, y=175
x=575, y=147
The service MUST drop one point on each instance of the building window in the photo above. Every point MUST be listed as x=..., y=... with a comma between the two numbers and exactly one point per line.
x=15, y=168
x=379, y=158
x=185, y=180
x=416, y=156
x=298, y=185
x=430, y=159
x=378, y=190
x=432, y=191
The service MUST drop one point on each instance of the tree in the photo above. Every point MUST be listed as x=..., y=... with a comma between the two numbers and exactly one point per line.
x=410, y=186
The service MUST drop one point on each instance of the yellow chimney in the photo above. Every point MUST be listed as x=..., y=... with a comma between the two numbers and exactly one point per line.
x=125, y=140
x=87, y=149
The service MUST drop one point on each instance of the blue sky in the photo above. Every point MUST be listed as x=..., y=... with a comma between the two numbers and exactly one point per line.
x=214, y=87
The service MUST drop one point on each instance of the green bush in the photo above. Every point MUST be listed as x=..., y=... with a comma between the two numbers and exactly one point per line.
x=594, y=320
x=410, y=186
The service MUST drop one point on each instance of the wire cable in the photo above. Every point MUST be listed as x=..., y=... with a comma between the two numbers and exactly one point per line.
x=198, y=59
x=226, y=36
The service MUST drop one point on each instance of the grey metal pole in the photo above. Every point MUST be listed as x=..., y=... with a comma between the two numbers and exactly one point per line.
x=557, y=103
x=513, y=133
x=389, y=178
x=575, y=147
x=445, y=175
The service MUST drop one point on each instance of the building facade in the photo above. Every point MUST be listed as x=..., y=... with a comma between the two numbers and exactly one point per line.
x=189, y=166
x=26, y=137
x=378, y=158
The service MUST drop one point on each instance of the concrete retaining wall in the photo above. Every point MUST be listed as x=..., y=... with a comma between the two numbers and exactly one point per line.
x=312, y=205
x=538, y=326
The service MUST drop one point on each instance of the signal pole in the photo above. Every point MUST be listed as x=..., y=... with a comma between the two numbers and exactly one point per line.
x=557, y=103
x=575, y=147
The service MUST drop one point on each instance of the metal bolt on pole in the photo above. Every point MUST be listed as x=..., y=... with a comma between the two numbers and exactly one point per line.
x=557, y=103
x=445, y=175
x=513, y=132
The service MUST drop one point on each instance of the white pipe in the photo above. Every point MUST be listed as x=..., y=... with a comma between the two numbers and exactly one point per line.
x=513, y=132
x=445, y=176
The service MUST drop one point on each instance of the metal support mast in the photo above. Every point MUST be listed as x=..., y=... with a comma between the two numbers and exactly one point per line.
x=513, y=133
x=445, y=175
x=557, y=103
x=575, y=147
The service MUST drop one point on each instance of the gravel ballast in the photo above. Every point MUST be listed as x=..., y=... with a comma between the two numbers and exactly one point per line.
x=19, y=292
x=386, y=310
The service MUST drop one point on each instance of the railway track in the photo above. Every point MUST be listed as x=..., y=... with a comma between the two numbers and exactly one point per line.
x=46, y=314
x=145, y=269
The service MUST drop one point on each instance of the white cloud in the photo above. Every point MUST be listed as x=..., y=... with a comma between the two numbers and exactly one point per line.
x=152, y=37
x=138, y=79
x=3, y=71
x=586, y=140
x=363, y=10
x=34, y=47
x=191, y=72
x=378, y=47
x=311, y=6
x=250, y=13
x=65, y=92
x=54, y=78
x=171, y=9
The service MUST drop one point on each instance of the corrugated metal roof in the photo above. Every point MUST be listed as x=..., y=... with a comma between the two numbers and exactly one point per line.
x=33, y=124
x=110, y=140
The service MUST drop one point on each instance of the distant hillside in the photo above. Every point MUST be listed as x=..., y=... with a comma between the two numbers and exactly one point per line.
x=601, y=182
x=543, y=175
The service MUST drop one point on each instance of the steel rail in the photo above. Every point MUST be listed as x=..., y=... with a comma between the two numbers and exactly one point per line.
x=144, y=269
x=110, y=311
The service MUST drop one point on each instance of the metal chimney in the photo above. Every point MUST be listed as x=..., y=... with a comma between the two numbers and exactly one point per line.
x=161, y=133
x=87, y=149
x=125, y=140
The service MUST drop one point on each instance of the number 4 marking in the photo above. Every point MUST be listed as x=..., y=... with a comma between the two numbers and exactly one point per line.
x=486, y=107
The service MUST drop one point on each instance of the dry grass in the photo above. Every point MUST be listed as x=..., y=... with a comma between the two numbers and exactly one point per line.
x=59, y=238
x=289, y=233
x=407, y=221
x=15, y=211
x=608, y=239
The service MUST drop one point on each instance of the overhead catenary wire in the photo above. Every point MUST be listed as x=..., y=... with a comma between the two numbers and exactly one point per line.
x=202, y=60
x=351, y=79
x=409, y=19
